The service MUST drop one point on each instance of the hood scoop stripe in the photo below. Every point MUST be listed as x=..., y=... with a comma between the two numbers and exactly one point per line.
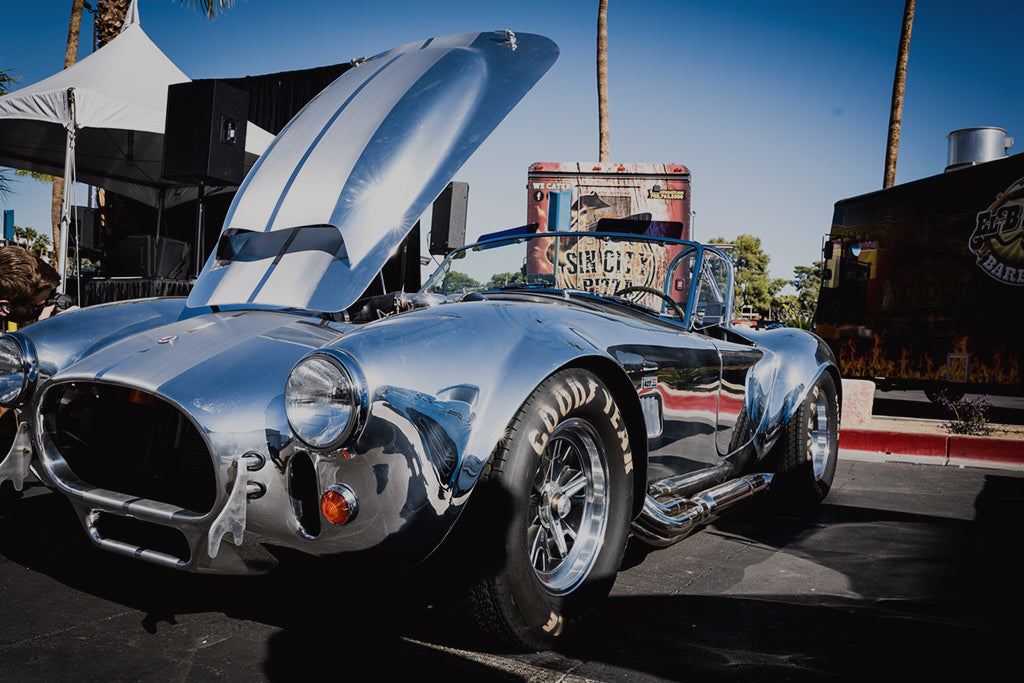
x=367, y=156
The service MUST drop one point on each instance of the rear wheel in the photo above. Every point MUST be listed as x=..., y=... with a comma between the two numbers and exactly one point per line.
x=809, y=447
x=565, y=474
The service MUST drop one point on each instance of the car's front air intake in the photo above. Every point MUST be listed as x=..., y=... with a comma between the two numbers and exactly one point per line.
x=127, y=441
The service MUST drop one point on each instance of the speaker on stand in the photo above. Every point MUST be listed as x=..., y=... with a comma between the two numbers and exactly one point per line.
x=204, y=141
x=448, y=219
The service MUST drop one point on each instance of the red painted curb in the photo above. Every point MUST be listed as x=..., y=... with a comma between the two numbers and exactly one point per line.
x=976, y=448
x=893, y=442
x=986, y=450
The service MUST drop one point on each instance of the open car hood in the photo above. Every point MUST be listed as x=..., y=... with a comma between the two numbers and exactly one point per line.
x=345, y=181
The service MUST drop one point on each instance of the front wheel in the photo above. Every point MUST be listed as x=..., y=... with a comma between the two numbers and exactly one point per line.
x=809, y=447
x=564, y=472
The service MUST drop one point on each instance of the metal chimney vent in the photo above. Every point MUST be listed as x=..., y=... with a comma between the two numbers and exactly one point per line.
x=969, y=146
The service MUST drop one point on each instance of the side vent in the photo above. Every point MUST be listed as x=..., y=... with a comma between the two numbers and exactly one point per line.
x=302, y=487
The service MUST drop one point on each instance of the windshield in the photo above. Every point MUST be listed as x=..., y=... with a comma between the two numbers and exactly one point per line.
x=667, y=276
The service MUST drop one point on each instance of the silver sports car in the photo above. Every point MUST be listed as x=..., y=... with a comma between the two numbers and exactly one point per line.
x=554, y=393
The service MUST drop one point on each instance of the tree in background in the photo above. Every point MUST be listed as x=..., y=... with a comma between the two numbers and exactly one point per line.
x=458, y=282
x=807, y=283
x=499, y=280
x=899, y=87
x=37, y=243
x=602, y=81
x=70, y=55
x=110, y=15
x=6, y=81
x=753, y=286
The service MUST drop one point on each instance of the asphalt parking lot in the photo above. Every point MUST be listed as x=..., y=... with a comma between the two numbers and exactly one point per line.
x=906, y=570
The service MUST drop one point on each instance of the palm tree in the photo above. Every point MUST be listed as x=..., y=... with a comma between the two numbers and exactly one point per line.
x=70, y=55
x=5, y=184
x=6, y=80
x=110, y=15
x=602, y=78
x=899, y=86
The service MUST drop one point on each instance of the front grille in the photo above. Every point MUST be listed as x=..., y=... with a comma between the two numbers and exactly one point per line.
x=128, y=531
x=130, y=442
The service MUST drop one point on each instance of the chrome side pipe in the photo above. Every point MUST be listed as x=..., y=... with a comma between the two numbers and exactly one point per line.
x=663, y=522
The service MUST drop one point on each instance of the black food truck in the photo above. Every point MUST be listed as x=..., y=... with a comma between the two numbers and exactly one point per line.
x=923, y=284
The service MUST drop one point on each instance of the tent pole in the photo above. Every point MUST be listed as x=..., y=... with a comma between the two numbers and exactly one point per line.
x=159, y=213
x=69, y=180
x=200, y=200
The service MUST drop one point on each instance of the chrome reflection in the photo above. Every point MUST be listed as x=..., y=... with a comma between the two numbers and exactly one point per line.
x=667, y=520
x=821, y=437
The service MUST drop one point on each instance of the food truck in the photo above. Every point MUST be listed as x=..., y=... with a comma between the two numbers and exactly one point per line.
x=585, y=197
x=642, y=198
x=923, y=282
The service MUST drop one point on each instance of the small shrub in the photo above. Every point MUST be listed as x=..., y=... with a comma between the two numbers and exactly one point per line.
x=799, y=321
x=970, y=415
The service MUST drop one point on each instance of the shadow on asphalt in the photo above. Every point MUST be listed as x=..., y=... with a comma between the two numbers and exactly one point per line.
x=932, y=602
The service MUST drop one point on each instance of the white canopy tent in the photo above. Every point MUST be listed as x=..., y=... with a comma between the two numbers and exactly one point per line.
x=101, y=122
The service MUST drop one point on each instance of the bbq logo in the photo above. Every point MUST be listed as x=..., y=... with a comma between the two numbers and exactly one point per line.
x=998, y=237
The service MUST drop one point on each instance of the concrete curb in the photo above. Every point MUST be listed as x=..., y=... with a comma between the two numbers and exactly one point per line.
x=951, y=448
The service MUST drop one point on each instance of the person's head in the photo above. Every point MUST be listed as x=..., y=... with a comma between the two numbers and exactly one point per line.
x=26, y=282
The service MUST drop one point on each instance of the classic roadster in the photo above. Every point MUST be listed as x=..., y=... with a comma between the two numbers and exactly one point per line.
x=555, y=392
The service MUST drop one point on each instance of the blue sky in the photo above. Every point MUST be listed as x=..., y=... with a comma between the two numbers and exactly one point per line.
x=779, y=109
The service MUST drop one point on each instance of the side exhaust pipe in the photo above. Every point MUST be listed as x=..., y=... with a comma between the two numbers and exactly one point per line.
x=665, y=521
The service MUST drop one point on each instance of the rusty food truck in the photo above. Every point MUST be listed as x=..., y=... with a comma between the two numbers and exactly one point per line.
x=594, y=198
x=640, y=198
x=923, y=282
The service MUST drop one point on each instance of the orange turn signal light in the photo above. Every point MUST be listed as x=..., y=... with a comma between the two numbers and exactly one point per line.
x=339, y=505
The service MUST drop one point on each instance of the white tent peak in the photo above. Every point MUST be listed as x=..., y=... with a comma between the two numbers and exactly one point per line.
x=113, y=134
x=132, y=18
x=120, y=93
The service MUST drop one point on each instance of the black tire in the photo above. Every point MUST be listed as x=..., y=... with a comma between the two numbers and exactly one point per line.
x=565, y=463
x=809, y=447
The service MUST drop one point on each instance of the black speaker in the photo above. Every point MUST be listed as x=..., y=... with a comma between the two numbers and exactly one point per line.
x=448, y=220
x=131, y=257
x=204, y=133
x=85, y=219
x=172, y=259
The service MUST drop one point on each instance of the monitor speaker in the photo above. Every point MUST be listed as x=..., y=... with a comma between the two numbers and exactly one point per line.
x=172, y=259
x=131, y=257
x=85, y=219
x=448, y=220
x=204, y=133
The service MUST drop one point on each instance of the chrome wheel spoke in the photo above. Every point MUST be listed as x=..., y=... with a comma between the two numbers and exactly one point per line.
x=571, y=506
x=538, y=551
x=559, y=534
x=574, y=485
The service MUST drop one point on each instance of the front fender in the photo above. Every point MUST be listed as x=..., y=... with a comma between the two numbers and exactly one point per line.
x=444, y=384
x=794, y=360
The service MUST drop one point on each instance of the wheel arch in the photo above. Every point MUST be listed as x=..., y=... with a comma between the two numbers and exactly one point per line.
x=629, y=404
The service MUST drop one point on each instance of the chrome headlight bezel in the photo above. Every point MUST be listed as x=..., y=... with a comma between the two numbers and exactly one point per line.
x=325, y=400
x=17, y=359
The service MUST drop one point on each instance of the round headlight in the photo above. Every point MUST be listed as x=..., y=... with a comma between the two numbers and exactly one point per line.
x=323, y=402
x=17, y=371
